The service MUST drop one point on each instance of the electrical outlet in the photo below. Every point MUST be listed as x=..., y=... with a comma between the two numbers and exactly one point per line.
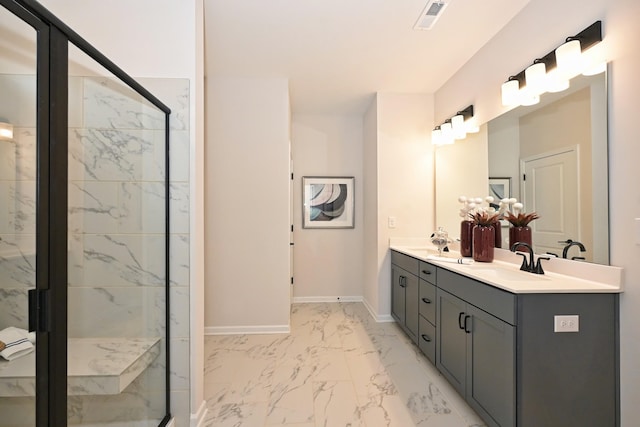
x=566, y=323
x=392, y=222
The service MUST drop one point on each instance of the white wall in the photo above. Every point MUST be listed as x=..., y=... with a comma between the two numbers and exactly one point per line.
x=532, y=33
x=247, y=205
x=405, y=184
x=327, y=263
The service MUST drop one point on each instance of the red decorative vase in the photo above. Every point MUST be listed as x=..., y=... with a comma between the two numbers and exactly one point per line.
x=498, y=230
x=466, y=237
x=484, y=239
x=520, y=234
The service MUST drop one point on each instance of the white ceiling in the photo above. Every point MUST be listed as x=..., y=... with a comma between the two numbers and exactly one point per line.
x=338, y=53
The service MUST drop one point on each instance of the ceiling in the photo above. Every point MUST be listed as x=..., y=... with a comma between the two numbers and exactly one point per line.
x=338, y=53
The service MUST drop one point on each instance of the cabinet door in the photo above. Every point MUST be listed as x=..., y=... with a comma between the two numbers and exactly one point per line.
x=490, y=387
x=398, y=278
x=451, y=349
x=412, y=305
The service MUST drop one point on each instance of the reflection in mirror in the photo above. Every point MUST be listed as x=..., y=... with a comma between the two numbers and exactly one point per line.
x=555, y=153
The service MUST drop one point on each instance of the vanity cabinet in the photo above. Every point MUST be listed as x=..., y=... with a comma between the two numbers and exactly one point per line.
x=405, y=292
x=476, y=353
x=501, y=351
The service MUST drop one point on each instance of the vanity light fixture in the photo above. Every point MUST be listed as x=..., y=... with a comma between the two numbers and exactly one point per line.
x=552, y=72
x=6, y=131
x=454, y=128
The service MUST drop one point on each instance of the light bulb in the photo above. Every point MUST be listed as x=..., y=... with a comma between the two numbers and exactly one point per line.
x=510, y=90
x=569, y=59
x=536, y=78
x=6, y=131
x=447, y=133
x=457, y=124
x=436, y=136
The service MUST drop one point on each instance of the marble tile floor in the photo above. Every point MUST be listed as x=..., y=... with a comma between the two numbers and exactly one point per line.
x=337, y=367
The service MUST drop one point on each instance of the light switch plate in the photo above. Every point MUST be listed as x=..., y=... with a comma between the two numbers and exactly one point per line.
x=392, y=222
x=566, y=323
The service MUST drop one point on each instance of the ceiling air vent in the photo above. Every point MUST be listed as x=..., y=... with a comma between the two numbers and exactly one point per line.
x=430, y=15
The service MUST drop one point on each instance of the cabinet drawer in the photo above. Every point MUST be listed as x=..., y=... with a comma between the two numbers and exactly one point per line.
x=427, y=339
x=428, y=272
x=406, y=262
x=428, y=301
x=494, y=301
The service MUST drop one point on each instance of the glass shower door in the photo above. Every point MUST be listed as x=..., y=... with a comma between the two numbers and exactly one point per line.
x=18, y=161
x=117, y=228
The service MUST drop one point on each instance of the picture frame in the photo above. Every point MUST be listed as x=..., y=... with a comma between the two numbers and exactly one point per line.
x=328, y=202
x=500, y=188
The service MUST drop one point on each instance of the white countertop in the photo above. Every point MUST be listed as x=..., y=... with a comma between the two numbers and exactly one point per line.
x=96, y=366
x=504, y=272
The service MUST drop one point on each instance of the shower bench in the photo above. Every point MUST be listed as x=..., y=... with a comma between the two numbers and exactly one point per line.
x=96, y=366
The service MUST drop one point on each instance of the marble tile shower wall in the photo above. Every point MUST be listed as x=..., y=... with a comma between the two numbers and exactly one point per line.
x=17, y=199
x=116, y=235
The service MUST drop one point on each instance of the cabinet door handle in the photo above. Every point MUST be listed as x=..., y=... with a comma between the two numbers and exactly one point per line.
x=426, y=272
x=460, y=320
x=426, y=300
x=403, y=281
x=426, y=338
x=466, y=318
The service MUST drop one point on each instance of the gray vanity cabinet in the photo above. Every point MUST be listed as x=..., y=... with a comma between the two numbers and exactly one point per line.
x=501, y=352
x=451, y=356
x=405, y=293
x=476, y=345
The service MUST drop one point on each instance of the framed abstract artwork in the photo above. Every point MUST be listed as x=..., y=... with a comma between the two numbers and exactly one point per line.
x=499, y=188
x=328, y=202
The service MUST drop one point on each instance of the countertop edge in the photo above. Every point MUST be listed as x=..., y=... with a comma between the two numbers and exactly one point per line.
x=539, y=284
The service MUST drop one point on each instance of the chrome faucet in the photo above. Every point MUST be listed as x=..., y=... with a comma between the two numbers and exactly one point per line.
x=570, y=243
x=531, y=266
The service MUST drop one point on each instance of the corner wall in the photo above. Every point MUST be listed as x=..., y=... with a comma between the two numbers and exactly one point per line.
x=404, y=175
x=530, y=34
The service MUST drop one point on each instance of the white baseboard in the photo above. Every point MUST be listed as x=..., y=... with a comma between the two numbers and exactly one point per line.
x=304, y=300
x=246, y=330
x=197, y=419
x=385, y=318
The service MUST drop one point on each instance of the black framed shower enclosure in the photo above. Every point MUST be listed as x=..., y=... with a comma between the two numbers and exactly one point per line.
x=48, y=301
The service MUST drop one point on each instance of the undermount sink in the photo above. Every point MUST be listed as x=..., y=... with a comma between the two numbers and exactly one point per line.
x=505, y=274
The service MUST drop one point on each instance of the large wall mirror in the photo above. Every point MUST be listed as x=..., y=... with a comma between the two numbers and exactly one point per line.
x=554, y=156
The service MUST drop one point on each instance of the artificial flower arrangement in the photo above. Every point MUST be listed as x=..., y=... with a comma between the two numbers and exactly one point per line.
x=517, y=218
x=508, y=209
x=484, y=218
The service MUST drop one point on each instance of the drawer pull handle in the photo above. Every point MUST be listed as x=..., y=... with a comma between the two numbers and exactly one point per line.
x=466, y=318
x=426, y=300
x=460, y=316
x=426, y=338
x=426, y=271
